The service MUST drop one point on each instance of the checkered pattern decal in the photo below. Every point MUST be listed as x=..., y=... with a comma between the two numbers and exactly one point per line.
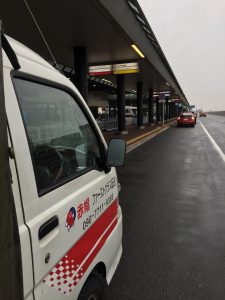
x=65, y=276
x=70, y=269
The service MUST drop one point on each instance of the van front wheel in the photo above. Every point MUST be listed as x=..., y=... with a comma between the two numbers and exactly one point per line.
x=94, y=289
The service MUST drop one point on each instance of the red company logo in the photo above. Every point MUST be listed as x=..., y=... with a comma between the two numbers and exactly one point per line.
x=70, y=218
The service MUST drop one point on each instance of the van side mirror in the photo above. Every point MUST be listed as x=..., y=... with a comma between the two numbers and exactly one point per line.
x=116, y=153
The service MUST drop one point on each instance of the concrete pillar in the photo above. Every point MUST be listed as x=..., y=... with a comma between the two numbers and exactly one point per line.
x=173, y=110
x=81, y=71
x=121, y=103
x=177, y=109
x=167, y=108
x=157, y=110
x=180, y=108
x=150, y=107
x=161, y=111
x=110, y=108
x=140, y=105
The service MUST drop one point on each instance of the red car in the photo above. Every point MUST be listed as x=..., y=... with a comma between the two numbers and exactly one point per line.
x=186, y=119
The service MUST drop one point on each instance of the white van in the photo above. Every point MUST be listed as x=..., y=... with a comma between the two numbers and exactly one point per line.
x=64, y=183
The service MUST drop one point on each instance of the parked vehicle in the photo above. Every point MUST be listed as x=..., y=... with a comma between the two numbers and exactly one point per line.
x=130, y=115
x=130, y=111
x=64, y=182
x=186, y=119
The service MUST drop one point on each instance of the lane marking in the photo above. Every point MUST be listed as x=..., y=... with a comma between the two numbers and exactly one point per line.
x=218, y=149
x=140, y=141
x=144, y=140
x=140, y=137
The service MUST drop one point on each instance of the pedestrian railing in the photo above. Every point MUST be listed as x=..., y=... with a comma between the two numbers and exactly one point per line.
x=108, y=124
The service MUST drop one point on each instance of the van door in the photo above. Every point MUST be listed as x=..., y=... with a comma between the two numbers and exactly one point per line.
x=27, y=268
x=69, y=201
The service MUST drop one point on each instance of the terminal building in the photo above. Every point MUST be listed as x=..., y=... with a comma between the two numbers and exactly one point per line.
x=108, y=50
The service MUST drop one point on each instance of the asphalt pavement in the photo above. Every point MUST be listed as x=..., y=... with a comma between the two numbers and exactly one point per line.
x=173, y=201
x=215, y=125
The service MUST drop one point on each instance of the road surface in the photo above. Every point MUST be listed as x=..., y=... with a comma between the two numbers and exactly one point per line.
x=173, y=200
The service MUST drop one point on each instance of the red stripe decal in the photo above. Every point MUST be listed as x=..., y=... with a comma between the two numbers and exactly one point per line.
x=67, y=273
x=97, y=249
x=100, y=73
x=88, y=240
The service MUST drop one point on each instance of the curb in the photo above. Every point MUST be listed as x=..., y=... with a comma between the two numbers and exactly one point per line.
x=138, y=141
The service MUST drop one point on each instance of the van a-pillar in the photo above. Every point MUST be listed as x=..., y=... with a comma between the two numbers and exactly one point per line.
x=140, y=105
x=150, y=107
x=81, y=71
x=121, y=103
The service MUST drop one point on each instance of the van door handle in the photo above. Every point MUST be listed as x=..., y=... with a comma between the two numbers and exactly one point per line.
x=48, y=227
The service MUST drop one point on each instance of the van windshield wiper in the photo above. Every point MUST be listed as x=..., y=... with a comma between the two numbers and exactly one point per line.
x=9, y=50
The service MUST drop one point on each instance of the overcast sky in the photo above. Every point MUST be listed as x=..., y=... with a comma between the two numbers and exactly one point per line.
x=191, y=34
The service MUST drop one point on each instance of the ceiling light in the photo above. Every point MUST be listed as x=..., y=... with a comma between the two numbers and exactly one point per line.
x=151, y=38
x=137, y=50
x=133, y=7
x=146, y=29
x=140, y=19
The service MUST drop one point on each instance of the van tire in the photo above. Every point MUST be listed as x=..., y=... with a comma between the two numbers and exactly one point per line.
x=94, y=289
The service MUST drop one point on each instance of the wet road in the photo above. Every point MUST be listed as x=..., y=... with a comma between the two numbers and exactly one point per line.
x=173, y=200
x=216, y=127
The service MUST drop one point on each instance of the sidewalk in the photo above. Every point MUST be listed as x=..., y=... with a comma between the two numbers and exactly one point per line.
x=136, y=136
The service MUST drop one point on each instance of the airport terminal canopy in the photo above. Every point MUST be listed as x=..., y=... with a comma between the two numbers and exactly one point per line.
x=106, y=28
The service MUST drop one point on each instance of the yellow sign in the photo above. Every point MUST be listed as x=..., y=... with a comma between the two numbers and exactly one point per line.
x=126, y=68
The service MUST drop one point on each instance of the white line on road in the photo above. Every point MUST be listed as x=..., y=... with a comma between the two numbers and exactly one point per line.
x=219, y=150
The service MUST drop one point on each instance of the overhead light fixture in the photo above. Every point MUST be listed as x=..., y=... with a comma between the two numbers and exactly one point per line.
x=153, y=43
x=140, y=19
x=146, y=29
x=151, y=38
x=133, y=7
x=137, y=50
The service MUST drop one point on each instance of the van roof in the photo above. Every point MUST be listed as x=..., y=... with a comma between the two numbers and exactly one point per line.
x=25, y=52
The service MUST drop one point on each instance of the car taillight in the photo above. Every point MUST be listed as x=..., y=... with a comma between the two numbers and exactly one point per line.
x=178, y=118
x=193, y=118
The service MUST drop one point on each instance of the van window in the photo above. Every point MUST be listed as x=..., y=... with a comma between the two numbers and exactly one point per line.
x=61, y=140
